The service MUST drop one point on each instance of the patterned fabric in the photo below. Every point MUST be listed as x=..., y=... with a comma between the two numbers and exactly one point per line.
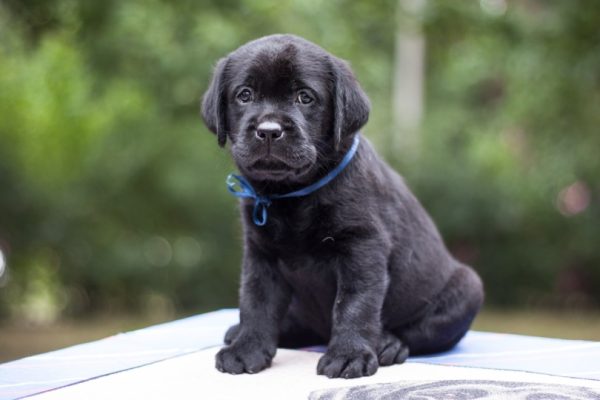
x=124, y=352
x=293, y=377
x=457, y=390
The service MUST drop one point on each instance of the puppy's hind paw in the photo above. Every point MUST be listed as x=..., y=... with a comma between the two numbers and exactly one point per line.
x=232, y=333
x=391, y=350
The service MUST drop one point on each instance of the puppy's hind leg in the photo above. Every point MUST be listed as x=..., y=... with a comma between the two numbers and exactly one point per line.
x=448, y=318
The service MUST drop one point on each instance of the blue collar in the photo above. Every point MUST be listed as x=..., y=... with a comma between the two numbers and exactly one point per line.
x=259, y=215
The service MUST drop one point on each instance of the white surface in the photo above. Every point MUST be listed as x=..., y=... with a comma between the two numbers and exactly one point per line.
x=292, y=376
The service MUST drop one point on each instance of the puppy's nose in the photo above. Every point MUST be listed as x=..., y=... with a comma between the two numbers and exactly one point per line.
x=269, y=130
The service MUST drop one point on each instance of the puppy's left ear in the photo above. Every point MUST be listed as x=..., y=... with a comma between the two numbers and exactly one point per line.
x=351, y=104
x=214, y=103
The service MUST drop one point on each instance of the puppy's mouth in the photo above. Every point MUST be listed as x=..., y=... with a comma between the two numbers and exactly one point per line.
x=274, y=168
x=270, y=164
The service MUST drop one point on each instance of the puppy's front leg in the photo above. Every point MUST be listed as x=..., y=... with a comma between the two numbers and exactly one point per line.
x=356, y=327
x=264, y=297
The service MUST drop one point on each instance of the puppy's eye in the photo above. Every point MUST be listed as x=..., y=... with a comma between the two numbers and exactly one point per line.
x=245, y=96
x=304, y=97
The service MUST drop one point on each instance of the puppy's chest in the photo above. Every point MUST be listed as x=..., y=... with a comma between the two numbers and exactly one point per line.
x=299, y=232
x=307, y=263
x=312, y=279
x=302, y=247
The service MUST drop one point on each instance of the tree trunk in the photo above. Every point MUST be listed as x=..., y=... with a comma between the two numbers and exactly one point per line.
x=408, y=79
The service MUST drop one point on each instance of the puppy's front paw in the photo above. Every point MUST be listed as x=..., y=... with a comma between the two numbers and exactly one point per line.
x=348, y=364
x=249, y=357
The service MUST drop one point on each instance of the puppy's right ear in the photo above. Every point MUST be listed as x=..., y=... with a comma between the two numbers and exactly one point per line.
x=214, y=103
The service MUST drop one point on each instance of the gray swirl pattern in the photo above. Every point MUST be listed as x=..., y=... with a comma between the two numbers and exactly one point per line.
x=457, y=390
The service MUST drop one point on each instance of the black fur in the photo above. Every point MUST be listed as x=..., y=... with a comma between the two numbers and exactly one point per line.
x=358, y=264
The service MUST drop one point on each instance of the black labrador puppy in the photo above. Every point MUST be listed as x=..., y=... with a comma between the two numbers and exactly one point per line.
x=337, y=250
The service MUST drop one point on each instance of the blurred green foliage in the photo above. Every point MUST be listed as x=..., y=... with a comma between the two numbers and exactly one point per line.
x=111, y=189
x=512, y=166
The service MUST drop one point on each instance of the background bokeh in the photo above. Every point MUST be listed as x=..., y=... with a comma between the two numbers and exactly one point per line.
x=112, y=196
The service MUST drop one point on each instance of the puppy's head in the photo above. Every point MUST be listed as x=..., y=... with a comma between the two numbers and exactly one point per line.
x=287, y=106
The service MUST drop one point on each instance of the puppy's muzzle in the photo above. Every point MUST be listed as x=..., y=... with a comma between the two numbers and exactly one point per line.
x=269, y=131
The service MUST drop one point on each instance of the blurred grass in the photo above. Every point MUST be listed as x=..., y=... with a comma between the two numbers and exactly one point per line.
x=560, y=324
x=18, y=341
